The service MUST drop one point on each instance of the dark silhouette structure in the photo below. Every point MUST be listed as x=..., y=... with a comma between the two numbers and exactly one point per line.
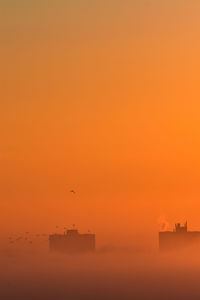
x=178, y=239
x=72, y=242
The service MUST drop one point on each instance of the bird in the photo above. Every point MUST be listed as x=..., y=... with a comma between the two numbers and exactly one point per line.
x=72, y=191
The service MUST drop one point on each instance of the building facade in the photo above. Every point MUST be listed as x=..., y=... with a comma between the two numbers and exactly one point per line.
x=179, y=238
x=72, y=242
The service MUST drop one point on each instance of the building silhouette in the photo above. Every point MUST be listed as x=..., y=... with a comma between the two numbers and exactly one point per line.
x=72, y=242
x=178, y=239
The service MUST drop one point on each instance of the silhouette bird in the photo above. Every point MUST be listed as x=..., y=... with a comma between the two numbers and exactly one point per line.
x=72, y=191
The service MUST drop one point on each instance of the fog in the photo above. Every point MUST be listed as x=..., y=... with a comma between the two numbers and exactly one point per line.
x=108, y=274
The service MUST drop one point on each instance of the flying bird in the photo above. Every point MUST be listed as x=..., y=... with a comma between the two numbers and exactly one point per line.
x=72, y=191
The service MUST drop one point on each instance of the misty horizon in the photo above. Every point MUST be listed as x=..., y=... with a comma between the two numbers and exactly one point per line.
x=100, y=133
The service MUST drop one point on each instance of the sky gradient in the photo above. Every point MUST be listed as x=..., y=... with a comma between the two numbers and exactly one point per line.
x=102, y=97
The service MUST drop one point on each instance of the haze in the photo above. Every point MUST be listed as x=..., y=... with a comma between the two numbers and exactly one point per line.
x=100, y=97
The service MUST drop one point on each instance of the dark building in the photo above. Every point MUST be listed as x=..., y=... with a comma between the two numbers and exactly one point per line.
x=178, y=239
x=72, y=242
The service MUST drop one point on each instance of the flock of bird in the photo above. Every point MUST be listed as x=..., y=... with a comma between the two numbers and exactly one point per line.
x=29, y=237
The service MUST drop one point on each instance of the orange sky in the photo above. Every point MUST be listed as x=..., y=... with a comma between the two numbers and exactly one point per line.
x=101, y=97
